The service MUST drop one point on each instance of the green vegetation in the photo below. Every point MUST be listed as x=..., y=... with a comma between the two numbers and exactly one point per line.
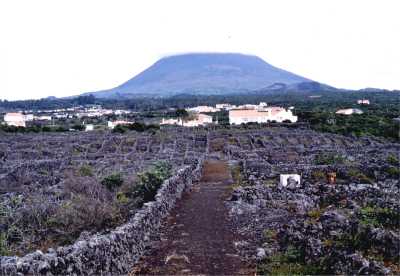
x=151, y=180
x=113, y=181
x=135, y=126
x=319, y=175
x=393, y=172
x=315, y=214
x=182, y=113
x=356, y=174
x=318, y=113
x=270, y=235
x=393, y=160
x=33, y=129
x=329, y=159
x=380, y=217
x=88, y=205
x=236, y=172
x=85, y=170
x=290, y=262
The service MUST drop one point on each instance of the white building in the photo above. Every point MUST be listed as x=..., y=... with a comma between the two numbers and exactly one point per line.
x=349, y=111
x=284, y=178
x=203, y=109
x=89, y=127
x=171, y=122
x=363, y=102
x=29, y=117
x=113, y=124
x=200, y=120
x=225, y=106
x=269, y=114
x=43, y=118
x=15, y=119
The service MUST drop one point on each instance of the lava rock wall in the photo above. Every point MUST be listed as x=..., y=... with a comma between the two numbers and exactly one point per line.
x=110, y=254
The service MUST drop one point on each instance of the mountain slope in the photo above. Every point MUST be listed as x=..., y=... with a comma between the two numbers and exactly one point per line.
x=211, y=73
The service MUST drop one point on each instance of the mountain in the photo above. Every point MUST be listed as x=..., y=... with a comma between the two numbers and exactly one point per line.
x=309, y=86
x=203, y=73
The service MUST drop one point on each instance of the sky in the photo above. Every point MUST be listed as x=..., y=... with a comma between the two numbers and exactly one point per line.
x=63, y=48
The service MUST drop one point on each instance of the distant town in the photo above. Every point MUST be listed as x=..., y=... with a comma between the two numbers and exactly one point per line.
x=92, y=116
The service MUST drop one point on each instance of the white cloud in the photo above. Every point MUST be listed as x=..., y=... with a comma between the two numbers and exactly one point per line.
x=63, y=48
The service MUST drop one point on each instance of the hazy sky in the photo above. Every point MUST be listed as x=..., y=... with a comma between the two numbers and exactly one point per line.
x=62, y=48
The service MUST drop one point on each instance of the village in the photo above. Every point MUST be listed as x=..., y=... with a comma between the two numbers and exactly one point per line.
x=95, y=117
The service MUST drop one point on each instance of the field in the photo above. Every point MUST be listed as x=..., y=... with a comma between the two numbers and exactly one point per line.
x=54, y=187
x=57, y=188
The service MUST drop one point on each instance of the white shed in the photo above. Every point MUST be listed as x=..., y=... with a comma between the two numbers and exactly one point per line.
x=284, y=178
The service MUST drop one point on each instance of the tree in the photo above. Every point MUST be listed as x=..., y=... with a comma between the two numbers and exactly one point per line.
x=181, y=113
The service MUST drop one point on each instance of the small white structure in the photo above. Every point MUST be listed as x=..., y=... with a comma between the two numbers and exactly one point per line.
x=349, y=111
x=285, y=178
x=29, y=117
x=269, y=114
x=363, y=102
x=113, y=124
x=43, y=118
x=202, y=109
x=89, y=127
x=200, y=120
x=170, y=122
x=15, y=119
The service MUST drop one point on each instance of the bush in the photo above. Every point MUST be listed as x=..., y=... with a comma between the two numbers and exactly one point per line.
x=393, y=172
x=85, y=170
x=112, y=181
x=78, y=127
x=393, y=160
x=315, y=214
x=329, y=159
x=83, y=213
x=380, y=217
x=151, y=180
x=290, y=262
x=119, y=129
x=355, y=174
x=3, y=244
x=319, y=175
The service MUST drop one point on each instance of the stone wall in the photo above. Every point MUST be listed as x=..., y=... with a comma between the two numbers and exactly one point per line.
x=110, y=254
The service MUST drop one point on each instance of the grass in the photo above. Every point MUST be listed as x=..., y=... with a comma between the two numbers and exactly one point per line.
x=290, y=262
x=315, y=214
x=237, y=176
x=329, y=159
x=379, y=217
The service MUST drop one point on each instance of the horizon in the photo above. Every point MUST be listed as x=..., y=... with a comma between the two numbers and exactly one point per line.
x=335, y=43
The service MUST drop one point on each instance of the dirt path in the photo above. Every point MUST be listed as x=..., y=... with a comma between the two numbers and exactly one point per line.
x=197, y=238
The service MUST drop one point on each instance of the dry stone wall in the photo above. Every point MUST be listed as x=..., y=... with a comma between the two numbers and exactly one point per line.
x=110, y=254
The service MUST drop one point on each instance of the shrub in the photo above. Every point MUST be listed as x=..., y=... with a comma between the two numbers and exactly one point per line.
x=78, y=127
x=329, y=159
x=318, y=175
x=150, y=181
x=270, y=235
x=85, y=170
x=315, y=214
x=290, y=262
x=83, y=213
x=393, y=172
x=393, y=160
x=357, y=175
x=236, y=172
x=379, y=217
x=119, y=129
x=113, y=181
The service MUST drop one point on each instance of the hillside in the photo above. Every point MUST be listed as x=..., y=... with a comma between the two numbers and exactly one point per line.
x=202, y=73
